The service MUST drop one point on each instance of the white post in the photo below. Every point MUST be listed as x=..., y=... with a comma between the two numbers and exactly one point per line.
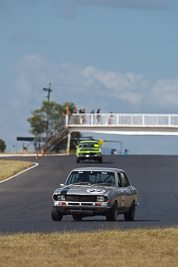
x=92, y=119
x=169, y=119
x=68, y=143
x=143, y=119
x=117, y=119
x=67, y=119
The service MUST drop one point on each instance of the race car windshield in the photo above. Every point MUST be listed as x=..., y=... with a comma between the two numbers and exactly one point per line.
x=89, y=145
x=92, y=178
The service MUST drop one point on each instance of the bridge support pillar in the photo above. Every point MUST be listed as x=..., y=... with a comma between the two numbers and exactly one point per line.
x=68, y=143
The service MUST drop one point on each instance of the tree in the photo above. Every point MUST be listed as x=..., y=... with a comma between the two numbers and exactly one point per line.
x=49, y=118
x=2, y=146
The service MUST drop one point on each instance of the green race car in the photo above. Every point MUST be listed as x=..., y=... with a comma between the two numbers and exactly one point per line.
x=89, y=150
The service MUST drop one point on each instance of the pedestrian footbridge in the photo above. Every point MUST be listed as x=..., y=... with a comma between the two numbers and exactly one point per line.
x=112, y=123
x=124, y=124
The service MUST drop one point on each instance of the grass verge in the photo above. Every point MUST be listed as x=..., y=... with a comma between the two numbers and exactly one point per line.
x=106, y=248
x=12, y=167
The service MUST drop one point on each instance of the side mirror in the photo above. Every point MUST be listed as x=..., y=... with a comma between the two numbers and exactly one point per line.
x=61, y=185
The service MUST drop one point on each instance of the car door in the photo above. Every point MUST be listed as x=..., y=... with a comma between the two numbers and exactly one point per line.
x=127, y=188
x=120, y=193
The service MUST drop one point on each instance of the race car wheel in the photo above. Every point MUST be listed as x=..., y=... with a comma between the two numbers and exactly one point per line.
x=77, y=160
x=77, y=217
x=113, y=213
x=100, y=160
x=56, y=215
x=131, y=214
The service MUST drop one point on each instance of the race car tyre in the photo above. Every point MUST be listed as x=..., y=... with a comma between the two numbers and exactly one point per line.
x=113, y=213
x=77, y=160
x=77, y=217
x=129, y=216
x=56, y=215
x=100, y=160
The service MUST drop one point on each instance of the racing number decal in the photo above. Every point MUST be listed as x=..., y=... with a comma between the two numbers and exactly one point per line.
x=96, y=191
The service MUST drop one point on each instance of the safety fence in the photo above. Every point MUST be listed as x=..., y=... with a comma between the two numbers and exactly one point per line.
x=146, y=120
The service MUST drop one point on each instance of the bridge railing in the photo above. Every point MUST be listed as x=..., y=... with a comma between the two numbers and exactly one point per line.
x=112, y=119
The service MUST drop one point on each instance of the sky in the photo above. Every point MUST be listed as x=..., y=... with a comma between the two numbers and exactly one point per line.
x=116, y=55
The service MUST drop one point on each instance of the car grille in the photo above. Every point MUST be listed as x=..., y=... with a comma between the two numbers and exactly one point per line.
x=92, y=150
x=77, y=198
x=90, y=153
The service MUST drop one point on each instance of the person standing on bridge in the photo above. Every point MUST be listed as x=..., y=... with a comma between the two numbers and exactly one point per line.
x=92, y=116
x=98, y=116
x=110, y=117
x=66, y=112
x=83, y=116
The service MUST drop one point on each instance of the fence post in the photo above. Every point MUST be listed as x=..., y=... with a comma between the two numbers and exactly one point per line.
x=92, y=119
x=169, y=119
x=143, y=119
x=117, y=119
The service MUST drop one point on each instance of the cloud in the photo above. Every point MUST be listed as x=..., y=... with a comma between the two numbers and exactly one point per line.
x=69, y=8
x=91, y=87
x=138, y=93
x=167, y=89
x=117, y=3
x=30, y=76
x=119, y=86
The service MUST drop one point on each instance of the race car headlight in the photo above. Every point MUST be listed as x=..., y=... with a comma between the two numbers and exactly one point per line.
x=60, y=197
x=100, y=198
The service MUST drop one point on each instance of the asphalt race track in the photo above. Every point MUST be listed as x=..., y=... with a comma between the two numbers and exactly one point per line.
x=25, y=201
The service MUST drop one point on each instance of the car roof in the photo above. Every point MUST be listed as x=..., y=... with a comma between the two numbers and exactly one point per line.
x=104, y=169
